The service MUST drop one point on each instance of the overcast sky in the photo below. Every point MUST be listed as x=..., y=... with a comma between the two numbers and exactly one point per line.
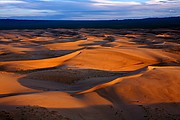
x=88, y=9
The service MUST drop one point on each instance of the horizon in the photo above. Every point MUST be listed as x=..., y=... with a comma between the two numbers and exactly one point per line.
x=88, y=9
x=92, y=20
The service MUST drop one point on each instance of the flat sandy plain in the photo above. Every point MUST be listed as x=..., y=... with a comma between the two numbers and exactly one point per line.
x=90, y=74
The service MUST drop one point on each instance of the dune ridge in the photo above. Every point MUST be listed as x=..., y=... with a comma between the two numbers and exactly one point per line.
x=36, y=64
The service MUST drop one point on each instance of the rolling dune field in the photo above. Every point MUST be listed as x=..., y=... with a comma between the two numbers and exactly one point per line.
x=90, y=74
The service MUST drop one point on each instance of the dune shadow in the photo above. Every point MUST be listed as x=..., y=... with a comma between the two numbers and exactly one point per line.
x=73, y=80
x=161, y=111
x=139, y=111
x=67, y=79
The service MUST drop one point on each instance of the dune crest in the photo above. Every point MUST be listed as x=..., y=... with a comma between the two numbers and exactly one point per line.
x=36, y=64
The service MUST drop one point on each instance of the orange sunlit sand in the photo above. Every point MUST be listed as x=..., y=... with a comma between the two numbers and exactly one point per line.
x=90, y=74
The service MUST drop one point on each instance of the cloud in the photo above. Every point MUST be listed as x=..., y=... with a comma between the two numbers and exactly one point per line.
x=114, y=3
x=12, y=11
x=88, y=9
x=126, y=13
x=47, y=0
x=162, y=1
x=12, y=2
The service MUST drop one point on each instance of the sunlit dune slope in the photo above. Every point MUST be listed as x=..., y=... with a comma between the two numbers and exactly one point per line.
x=159, y=85
x=114, y=59
x=36, y=64
x=65, y=46
x=10, y=85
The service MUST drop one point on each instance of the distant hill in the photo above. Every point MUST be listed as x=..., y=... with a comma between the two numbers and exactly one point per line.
x=170, y=22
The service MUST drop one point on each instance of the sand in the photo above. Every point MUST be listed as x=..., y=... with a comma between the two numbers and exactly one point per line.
x=90, y=74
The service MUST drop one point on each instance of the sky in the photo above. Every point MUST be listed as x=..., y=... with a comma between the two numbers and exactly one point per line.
x=87, y=9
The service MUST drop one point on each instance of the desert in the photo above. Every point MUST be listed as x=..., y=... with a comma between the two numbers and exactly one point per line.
x=90, y=74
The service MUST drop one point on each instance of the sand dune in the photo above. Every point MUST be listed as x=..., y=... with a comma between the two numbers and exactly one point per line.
x=36, y=64
x=119, y=59
x=9, y=84
x=65, y=46
x=89, y=74
x=149, y=85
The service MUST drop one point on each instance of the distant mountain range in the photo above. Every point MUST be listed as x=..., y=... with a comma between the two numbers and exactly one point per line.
x=149, y=23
